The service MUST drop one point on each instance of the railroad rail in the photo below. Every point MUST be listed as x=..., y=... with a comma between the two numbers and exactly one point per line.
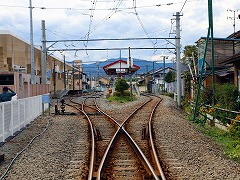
x=116, y=149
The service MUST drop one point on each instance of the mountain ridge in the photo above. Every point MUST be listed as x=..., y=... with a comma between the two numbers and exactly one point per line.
x=145, y=66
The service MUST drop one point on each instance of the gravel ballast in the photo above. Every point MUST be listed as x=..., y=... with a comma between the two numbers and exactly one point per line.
x=188, y=153
x=50, y=155
x=193, y=155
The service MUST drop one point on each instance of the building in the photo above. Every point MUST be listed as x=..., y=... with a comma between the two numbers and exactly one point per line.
x=234, y=60
x=120, y=68
x=224, y=48
x=15, y=68
x=80, y=81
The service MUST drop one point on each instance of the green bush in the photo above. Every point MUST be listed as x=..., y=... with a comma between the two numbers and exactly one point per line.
x=169, y=94
x=206, y=96
x=226, y=96
x=234, y=131
x=119, y=94
x=121, y=85
x=170, y=77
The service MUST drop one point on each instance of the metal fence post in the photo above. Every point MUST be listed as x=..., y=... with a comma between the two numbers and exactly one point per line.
x=11, y=121
x=19, y=120
x=3, y=122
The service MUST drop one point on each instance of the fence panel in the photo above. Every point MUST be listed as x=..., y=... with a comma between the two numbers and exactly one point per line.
x=1, y=123
x=7, y=106
x=22, y=115
x=15, y=115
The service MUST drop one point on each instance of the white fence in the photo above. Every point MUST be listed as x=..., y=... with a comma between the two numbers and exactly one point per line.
x=14, y=115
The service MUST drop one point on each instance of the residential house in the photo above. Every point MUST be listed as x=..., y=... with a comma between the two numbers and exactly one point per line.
x=234, y=59
x=224, y=48
x=15, y=68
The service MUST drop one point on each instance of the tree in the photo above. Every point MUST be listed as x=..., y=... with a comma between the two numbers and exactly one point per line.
x=188, y=51
x=121, y=85
x=170, y=77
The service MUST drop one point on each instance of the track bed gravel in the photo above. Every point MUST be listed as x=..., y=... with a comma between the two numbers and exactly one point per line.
x=188, y=154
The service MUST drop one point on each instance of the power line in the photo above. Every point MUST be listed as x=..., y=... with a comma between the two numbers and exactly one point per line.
x=139, y=20
x=106, y=17
x=109, y=39
x=107, y=49
x=183, y=6
x=86, y=9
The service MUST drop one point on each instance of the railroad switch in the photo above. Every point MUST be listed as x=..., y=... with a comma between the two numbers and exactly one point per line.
x=1, y=158
x=144, y=131
x=99, y=137
x=62, y=106
x=56, y=110
x=62, y=111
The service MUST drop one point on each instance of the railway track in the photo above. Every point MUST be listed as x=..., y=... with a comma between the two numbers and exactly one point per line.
x=123, y=150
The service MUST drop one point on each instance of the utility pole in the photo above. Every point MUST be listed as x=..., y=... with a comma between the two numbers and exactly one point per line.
x=64, y=71
x=98, y=67
x=164, y=73
x=212, y=53
x=67, y=78
x=78, y=80
x=146, y=81
x=32, y=47
x=130, y=73
x=44, y=54
x=73, y=83
x=54, y=76
x=179, y=90
x=90, y=79
x=210, y=35
x=153, y=79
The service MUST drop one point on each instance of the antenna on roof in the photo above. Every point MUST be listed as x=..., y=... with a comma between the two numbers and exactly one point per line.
x=234, y=17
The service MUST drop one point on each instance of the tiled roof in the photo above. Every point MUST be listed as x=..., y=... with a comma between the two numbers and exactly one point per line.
x=235, y=35
x=231, y=59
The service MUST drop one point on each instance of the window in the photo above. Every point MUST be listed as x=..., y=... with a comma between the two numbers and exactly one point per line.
x=6, y=79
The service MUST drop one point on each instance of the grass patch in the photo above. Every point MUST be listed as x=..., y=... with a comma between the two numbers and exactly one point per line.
x=230, y=144
x=121, y=99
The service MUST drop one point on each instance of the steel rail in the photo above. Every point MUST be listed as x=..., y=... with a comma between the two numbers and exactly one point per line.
x=113, y=139
x=103, y=161
x=134, y=145
x=92, y=157
x=111, y=118
x=155, y=156
x=145, y=160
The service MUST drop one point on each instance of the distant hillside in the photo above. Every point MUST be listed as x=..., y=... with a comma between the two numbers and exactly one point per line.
x=97, y=68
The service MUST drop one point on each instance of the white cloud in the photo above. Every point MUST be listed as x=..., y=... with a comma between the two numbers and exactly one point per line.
x=71, y=20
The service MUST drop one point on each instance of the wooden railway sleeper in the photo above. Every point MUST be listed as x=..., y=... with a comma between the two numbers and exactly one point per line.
x=99, y=137
x=95, y=132
x=144, y=133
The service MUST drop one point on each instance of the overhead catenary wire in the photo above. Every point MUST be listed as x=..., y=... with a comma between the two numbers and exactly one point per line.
x=183, y=6
x=112, y=39
x=100, y=23
x=113, y=10
x=107, y=49
x=85, y=9
x=139, y=20
x=108, y=16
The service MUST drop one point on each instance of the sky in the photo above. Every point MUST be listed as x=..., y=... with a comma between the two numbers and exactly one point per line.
x=74, y=20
